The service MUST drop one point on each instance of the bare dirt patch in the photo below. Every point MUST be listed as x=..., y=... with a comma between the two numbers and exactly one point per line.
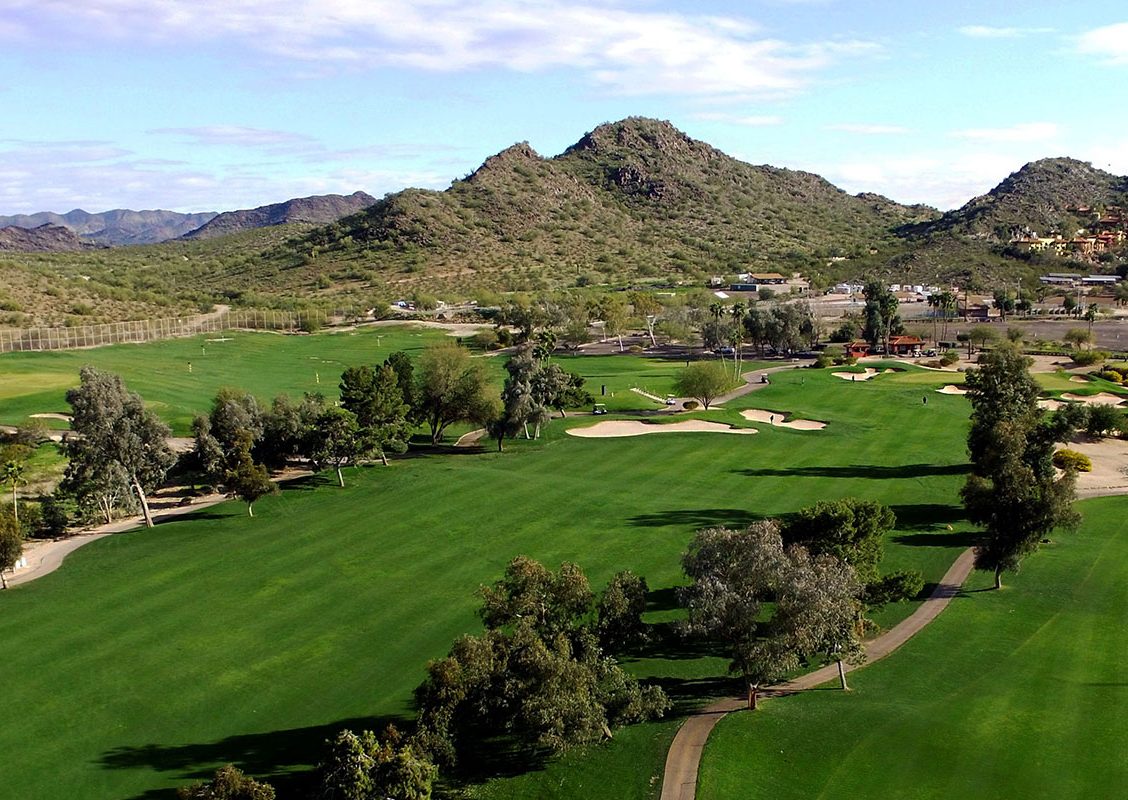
x=614, y=428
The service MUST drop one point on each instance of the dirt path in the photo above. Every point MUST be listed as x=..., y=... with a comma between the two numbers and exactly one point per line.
x=680, y=779
x=44, y=557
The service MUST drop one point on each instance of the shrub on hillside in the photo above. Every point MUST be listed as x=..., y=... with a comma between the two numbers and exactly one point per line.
x=1072, y=460
x=691, y=405
x=949, y=358
x=1111, y=375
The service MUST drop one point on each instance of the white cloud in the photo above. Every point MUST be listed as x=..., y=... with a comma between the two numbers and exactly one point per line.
x=238, y=136
x=1109, y=43
x=942, y=180
x=868, y=129
x=622, y=49
x=1022, y=132
x=60, y=176
x=749, y=120
x=989, y=32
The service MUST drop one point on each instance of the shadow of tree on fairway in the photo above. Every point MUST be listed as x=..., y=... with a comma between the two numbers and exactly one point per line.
x=871, y=471
x=959, y=539
x=662, y=599
x=927, y=516
x=697, y=518
x=283, y=758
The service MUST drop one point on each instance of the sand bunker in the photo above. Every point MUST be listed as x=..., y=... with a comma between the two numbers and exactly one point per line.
x=777, y=420
x=1079, y=379
x=857, y=376
x=51, y=415
x=1050, y=405
x=1110, y=458
x=1102, y=399
x=614, y=428
x=951, y=388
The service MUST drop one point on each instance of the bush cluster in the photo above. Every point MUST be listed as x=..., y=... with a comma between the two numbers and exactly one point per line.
x=1072, y=460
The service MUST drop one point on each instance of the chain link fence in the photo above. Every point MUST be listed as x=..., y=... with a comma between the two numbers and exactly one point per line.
x=15, y=340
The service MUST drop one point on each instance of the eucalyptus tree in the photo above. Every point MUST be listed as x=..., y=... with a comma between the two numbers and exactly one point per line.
x=773, y=607
x=115, y=435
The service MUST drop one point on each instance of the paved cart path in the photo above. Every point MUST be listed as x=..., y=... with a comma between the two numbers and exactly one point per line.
x=680, y=779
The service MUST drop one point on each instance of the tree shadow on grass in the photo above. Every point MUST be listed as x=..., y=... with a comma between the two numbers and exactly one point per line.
x=961, y=539
x=665, y=641
x=871, y=471
x=278, y=757
x=697, y=518
x=927, y=516
x=662, y=599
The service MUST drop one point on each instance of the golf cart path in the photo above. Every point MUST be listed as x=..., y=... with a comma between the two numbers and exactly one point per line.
x=752, y=382
x=679, y=781
x=47, y=556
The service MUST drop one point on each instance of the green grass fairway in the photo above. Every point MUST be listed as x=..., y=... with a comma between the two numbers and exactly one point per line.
x=265, y=364
x=1019, y=693
x=152, y=657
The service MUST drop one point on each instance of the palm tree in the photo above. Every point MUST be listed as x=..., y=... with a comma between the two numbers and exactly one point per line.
x=1091, y=317
x=13, y=474
x=738, y=313
x=1121, y=293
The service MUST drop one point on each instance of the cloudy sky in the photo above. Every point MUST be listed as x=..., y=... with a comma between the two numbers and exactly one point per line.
x=211, y=106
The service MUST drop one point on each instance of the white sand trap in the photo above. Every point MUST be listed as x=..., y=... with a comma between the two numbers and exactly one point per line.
x=51, y=415
x=1079, y=379
x=1050, y=405
x=777, y=420
x=1102, y=399
x=951, y=388
x=613, y=428
x=857, y=376
x=1109, y=457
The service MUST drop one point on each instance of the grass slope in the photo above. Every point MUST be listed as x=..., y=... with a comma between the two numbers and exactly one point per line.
x=265, y=364
x=1016, y=693
x=152, y=657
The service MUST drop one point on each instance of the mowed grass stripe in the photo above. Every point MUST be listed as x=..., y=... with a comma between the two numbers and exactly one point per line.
x=224, y=638
x=1011, y=694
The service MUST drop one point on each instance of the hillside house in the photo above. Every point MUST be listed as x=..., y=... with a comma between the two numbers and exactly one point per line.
x=770, y=278
x=857, y=349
